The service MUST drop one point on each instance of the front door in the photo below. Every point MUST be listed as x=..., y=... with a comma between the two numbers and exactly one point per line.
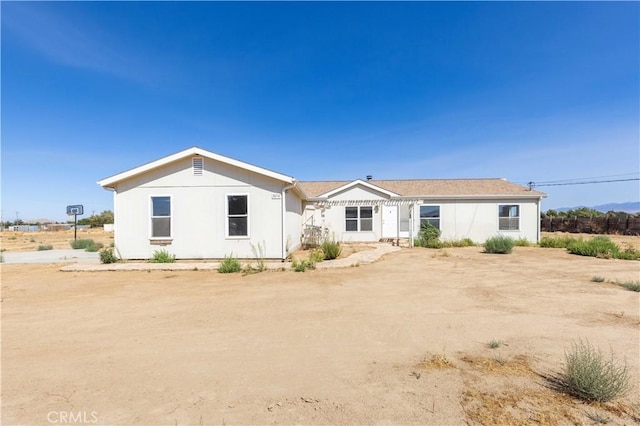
x=389, y=221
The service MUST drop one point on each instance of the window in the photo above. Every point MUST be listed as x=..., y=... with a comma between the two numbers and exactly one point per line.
x=198, y=165
x=161, y=217
x=508, y=217
x=358, y=219
x=430, y=214
x=237, y=216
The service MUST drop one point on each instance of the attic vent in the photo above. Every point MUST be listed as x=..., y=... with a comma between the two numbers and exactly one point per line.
x=198, y=166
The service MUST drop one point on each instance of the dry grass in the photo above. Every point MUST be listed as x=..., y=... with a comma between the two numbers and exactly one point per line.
x=436, y=361
x=521, y=402
x=347, y=250
x=30, y=241
x=522, y=406
x=516, y=366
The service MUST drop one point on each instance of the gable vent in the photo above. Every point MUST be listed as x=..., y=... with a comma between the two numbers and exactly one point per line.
x=198, y=166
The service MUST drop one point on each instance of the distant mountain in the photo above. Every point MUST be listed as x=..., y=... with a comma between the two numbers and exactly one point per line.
x=628, y=207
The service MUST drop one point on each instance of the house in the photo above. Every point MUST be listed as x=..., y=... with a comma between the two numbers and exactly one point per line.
x=198, y=204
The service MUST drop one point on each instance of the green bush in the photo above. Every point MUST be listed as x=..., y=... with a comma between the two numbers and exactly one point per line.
x=499, y=245
x=602, y=247
x=82, y=244
x=229, y=265
x=86, y=244
x=597, y=279
x=429, y=236
x=590, y=376
x=45, y=247
x=317, y=255
x=95, y=247
x=162, y=256
x=596, y=247
x=522, y=242
x=630, y=285
x=494, y=344
x=556, y=242
x=108, y=256
x=303, y=265
x=331, y=249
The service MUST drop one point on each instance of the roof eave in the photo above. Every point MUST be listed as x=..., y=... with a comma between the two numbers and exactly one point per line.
x=110, y=182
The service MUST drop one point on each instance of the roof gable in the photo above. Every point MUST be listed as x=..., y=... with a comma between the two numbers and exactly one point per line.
x=190, y=152
x=354, y=184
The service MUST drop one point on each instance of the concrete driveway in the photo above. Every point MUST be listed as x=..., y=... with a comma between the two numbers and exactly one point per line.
x=52, y=256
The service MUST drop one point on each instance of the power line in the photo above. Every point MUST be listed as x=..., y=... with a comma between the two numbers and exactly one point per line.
x=534, y=184
x=588, y=178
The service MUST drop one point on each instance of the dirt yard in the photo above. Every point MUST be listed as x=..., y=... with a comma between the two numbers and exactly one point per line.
x=401, y=341
x=30, y=241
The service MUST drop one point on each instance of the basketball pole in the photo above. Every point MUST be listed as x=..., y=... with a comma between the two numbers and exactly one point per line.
x=75, y=227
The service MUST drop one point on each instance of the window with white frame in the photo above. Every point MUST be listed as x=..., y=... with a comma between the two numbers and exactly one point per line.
x=509, y=217
x=237, y=216
x=358, y=219
x=430, y=214
x=161, y=216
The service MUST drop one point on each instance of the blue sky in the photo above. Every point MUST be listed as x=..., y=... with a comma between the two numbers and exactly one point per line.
x=537, y=91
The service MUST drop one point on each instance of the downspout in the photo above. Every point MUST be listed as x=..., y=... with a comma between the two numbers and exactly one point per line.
x=539, y=219
x=410, y=225
x=283, y=240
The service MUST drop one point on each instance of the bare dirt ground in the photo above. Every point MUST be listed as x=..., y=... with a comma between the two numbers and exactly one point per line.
x=401, y=341
x=30, y=241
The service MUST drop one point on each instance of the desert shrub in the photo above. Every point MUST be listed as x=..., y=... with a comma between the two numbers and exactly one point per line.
x=596, y=247
x=259, y=254
x=465, y=242
x=522, y=242
x=229, y=265
x=108, y=256
x=499, y=245
x=591, y=376
x=1, y=258
x=82, y=243
x=556, y=242
x=428, y=236
x=86, y=244
x=331, y=249
x=630, y=285
x=597, y=279
x=162, y=256
x=602, y=247
x=95, y=247
x=628, y=254
x=317, y=255
x=494, y=344
x=303, y=265
x=43, y=247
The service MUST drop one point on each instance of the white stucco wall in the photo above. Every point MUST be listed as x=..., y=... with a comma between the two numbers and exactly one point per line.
x=293, y=221
x=198, y=215
x=478, y=219
x=334, y=217
x=475, y=219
